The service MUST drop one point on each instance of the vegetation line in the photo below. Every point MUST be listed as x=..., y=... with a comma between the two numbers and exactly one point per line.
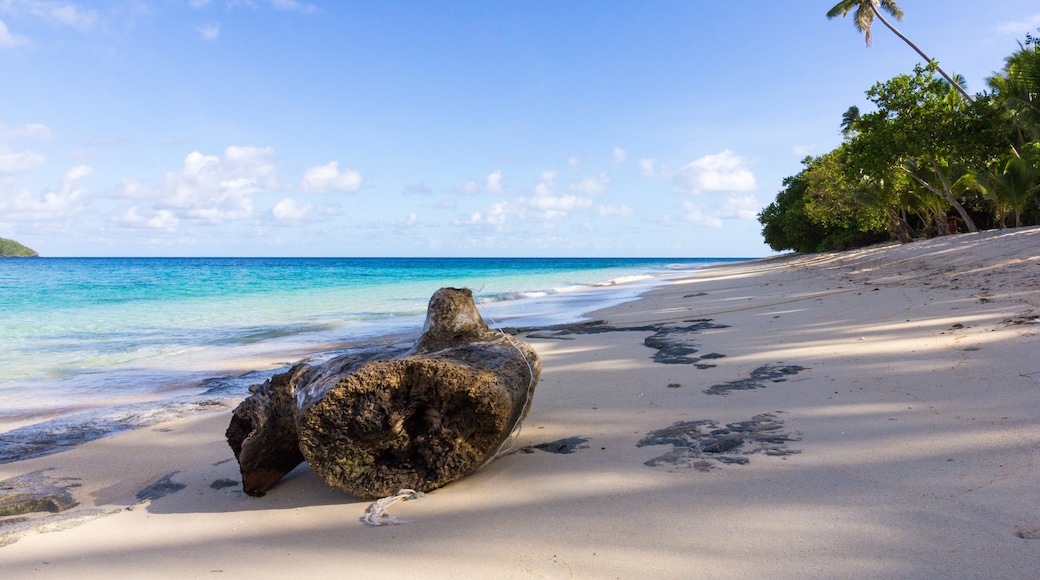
x=925, y=162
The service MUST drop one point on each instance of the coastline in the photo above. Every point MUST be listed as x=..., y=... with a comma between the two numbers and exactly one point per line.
x=100, y=399
x=879, y=408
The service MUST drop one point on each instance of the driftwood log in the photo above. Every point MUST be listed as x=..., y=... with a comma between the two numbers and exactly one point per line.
x=375, y=422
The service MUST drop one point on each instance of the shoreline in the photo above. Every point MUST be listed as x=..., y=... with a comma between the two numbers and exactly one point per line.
x=38, y=431
x=864, y=413
x=85, y=340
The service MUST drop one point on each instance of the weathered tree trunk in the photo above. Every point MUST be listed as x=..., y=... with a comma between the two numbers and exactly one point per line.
x=425, y=419
x=947, y=193
x=262, y=433
x=375, y=423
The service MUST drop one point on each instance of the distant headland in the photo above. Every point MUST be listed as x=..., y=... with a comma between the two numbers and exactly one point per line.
x=12, y=249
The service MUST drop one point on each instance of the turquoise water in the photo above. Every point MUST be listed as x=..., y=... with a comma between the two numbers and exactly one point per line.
x=89, y=335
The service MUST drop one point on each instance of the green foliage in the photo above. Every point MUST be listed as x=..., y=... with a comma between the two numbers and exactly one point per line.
x=816, y=212
x=11, y=248
x=1017, y=88
x=837, y=203
x=1009, y=184
x=785, y=224
x=925, y=162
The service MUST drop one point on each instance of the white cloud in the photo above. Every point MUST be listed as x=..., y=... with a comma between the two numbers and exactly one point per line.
x=60, y=12
x=721, y=172
x=50, y=206
x=697, y=215
x=712, y=214
x=328, y=178
x=163, y=219
x=418, y=189
x=137, y=190
x=647, y=167
x=803, y=150
x=547, y=206
x=493, y=182
x=209, y=32
x=546, y=183
x=411, y=220
x=332, y=209
x=293, y=5
x=10, y=40
x=493, y=216
x=471, y=187
x=611, y=210
x=555, y=208
x=216, y=189
x=211, y=188
x=71, y=15
x=32, y=131
x=591, y=185
x=290, y=210
x=573, y=161
x=21, y=162
x=620, y=156
x=745, y=207
x=78, y=172
x=544, y=205
x=287, y=5
x=1020, y=27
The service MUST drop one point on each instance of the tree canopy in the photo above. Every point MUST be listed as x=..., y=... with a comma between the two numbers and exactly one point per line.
x=923, y=162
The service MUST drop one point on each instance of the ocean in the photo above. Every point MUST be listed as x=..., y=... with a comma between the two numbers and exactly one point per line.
x=92, y=346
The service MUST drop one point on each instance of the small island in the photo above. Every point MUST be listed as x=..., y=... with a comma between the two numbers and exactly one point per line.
x=12, y=249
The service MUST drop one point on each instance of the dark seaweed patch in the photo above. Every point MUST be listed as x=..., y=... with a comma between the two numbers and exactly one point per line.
x=162, y=487
x=758, y=379
x=702, y=445
x=562, y=446
x=674, y=343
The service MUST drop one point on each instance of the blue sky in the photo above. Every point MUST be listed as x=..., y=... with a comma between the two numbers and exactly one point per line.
x=422, y=128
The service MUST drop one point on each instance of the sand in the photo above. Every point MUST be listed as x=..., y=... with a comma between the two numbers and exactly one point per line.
x=876, y=413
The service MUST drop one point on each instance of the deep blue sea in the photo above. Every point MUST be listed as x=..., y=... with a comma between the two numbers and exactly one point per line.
x=93, y=345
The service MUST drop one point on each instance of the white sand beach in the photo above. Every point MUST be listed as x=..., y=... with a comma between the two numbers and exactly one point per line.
x=876, y=413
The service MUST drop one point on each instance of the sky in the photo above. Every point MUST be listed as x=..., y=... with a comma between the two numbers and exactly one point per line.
x=546, y=128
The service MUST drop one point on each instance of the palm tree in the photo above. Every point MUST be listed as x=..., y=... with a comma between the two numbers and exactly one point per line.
x=848, y=121
x=1010, y=184
x=867, y=10
x=1018, y=86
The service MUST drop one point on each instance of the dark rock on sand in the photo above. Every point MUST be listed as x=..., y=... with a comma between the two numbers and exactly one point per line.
x=34, y=492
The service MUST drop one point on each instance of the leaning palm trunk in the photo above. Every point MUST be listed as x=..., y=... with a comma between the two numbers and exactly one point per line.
x=898, y=225
x=927, y=58
x=944, y=193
